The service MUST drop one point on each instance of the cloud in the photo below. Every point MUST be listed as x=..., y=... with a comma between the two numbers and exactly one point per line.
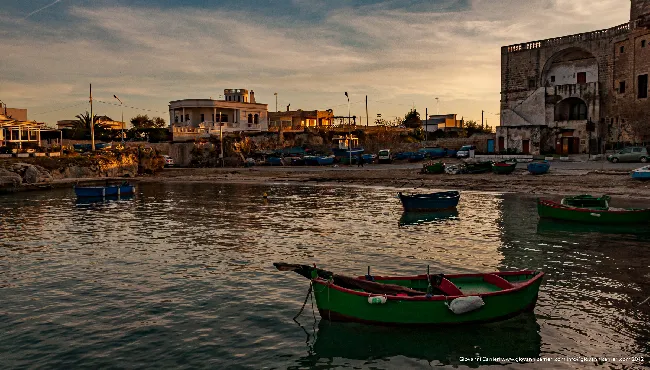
x=395, y=53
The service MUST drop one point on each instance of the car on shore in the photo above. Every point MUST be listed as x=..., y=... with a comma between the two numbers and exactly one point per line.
x=385, y=156
x=630, y=154
x=464, y=151
x=169, y=161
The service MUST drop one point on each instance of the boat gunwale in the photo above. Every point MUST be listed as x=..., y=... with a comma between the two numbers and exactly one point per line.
x=516, y=287
x=556, y=205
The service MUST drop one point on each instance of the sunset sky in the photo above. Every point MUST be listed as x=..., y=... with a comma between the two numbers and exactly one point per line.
x=398, y=52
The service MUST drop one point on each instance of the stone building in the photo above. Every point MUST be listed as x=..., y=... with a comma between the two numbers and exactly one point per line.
x=577, y=93
x=297, y=120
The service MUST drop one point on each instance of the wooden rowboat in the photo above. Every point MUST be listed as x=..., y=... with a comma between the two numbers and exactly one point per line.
x=422, y=299
x=504, y=168
x=559, y=211
x=538, y=168
x=104, y=191
x=430, y=202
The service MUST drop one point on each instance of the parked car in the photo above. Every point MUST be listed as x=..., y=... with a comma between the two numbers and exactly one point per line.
x=463, y=152
x=169, y=161
x=385, y=156
x=630, y=154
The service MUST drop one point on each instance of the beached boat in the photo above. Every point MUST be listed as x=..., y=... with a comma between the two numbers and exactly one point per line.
x=559, y=211
x=274, y=161
x=454, y=169
x=433, y=152
x=325, y=161
x=419, y=218
x=430, y=202
x=538, y=168
x=504, y=168
x=478, y=167
x=311, y=160
x=422, y=299
x=416, y=157
x=433, y=168
x=642, y=173
x=104, y=191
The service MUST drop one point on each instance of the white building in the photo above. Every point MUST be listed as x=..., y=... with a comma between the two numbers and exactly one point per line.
x=194, y=118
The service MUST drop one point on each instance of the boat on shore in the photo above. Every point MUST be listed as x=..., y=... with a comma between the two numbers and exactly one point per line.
x=478, y=167
x=433, y=168
x=504, y=168
x=598, y=215
x=420, y=300
x=642, y=173
x=538, y=168
x=445, y=200
x=104, y=191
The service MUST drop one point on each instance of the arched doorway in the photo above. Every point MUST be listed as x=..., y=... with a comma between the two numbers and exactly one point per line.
x=571, y=109
x=570, y=66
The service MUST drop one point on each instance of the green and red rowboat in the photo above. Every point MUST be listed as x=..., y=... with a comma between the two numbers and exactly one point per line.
x=504, y=168
x=421, y=300
x=597, y=215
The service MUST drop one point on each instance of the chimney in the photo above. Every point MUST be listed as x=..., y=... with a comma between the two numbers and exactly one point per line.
x=252, y=97
x=288, y=107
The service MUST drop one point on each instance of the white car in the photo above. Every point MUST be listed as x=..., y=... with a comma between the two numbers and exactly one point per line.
x=169, y=161
x=464, y=152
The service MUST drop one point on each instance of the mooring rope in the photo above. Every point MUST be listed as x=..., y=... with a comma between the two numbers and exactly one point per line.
x=305, y=302
x=641, y=304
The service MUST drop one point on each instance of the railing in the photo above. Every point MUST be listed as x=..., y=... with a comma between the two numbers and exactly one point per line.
x=586, y=36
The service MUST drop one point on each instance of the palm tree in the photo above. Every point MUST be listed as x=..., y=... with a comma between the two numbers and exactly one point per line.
x=83, y=122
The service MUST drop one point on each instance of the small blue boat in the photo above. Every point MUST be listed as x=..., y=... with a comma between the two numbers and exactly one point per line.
x=416, y=157
x=311, y=160
x=274, y=161
x=451, y=153
x=403, y=155
x=433, y=152
x=538, y=168
x=104, y=191
x=325, y=161
x=445, y=200
x=642, y=173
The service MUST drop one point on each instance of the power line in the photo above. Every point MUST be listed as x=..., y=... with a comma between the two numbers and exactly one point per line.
x=126, y=106
x=56, y=110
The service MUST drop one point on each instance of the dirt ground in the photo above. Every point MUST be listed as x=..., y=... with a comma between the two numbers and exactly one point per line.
x=560, y=181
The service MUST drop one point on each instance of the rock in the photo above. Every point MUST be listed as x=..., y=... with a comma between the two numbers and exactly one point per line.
x=36, y=174
x=9, y=179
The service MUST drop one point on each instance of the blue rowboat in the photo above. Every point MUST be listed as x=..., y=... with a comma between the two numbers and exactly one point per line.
x=325, y=161
x=274, y=161
x=429, y=202
x=642, y=173
x=538, y=168
x=416, y=157
x=433, y=152
x=451, y=153
x=311, y=160
x=104, y=191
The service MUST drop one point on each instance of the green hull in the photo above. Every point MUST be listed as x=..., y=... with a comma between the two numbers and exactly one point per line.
x=587, y=201
x=554, y=210
x=435, y=168
x=341, y=304
x=503, y=169
x=476, y=168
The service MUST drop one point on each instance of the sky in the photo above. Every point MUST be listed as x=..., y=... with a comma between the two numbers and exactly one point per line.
x=400, y=53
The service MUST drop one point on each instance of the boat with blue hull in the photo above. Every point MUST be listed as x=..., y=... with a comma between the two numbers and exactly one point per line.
x=642, y=173
x=539, y=168
x=104, y=191
x=325, y=161
x=445, y=200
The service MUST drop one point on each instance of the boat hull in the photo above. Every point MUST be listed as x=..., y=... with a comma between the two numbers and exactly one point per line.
x=430, y=202
x=557, y=211
x=325, y=161
x=504, y=168
x=340, y=304
x=476, y=168
x=435, y=168
x=538, y=168
x=103, y=191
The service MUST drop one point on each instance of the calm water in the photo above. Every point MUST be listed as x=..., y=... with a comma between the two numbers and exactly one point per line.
x=181, y=276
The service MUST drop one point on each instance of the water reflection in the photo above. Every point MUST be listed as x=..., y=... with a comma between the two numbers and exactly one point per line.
x=106, y=199
x=553, y=227
x=517, y=337
x=418, y=218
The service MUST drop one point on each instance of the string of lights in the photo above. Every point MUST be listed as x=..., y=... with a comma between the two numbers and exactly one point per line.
x=56, y=110
x=126, y=106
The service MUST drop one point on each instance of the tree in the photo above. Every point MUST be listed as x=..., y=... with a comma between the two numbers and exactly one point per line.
x=159, y=122
x=83, y=121
x=471, y=127
x=412, y=119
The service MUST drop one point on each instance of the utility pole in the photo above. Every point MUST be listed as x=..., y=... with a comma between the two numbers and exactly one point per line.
x=92, y=121
x=349, y=129
x=122, y=107
x=366, y=110
x=482, y=118
x=437, y=106
x=221, y=138
x=276, y=101
x=426, y=122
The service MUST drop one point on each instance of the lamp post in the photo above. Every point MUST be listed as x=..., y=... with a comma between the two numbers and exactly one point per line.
x=122, y=125
x=276, y=101
x=221, y=138
x=349, y=129
x=437, y=106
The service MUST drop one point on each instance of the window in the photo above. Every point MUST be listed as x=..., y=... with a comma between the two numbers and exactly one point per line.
x=552, y=78
x=622, y=49
x=187, y=117
x=621, y=87
x=202, y=117
x=175, y=119
x=239, y=98
x=531, y=83
x=582, y=78
x=636, y=150
x=578, y=111
x=642, y=43
x=642, y=86
x=256, y=119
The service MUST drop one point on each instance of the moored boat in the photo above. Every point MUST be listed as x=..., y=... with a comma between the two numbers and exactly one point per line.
x=422, y=299
x=587, y=201
x=104, y=191
x=430, y=202
x=559, y=211
x=325, y=161
x=538, y=168
x=274, y=161
x=478, y=167
x=504, y=168
x=642, y=173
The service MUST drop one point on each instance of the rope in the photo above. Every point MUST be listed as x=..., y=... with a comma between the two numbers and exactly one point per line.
x=647, y=299
x=305, y=302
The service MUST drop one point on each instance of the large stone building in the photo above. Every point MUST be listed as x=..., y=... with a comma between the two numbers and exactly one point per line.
x=577, y=93
x=298, y=120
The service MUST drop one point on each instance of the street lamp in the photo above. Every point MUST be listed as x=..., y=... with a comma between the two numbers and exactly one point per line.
x=276, y=101
x=349, y=129
x=122, y=125
x=437, y=106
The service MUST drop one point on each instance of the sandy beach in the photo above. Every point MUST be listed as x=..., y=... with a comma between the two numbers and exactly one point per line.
x=565, y=178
